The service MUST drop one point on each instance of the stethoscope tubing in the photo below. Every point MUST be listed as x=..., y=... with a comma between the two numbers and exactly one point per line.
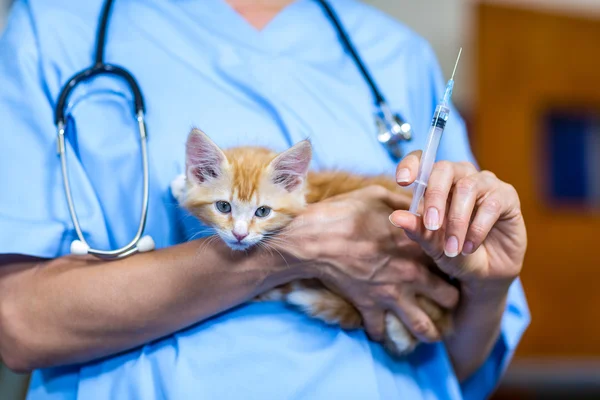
x=101, y=68
x=131, y=247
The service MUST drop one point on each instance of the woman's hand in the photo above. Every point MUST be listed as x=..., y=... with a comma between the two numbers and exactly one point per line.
x=472, y=225
x=358, y=253
x=474, y=230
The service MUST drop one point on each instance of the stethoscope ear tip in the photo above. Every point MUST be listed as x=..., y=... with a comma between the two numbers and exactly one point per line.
x=146, y=244
x=79, y=248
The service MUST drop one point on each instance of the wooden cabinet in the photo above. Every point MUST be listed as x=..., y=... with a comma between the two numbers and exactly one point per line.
x=528, y=64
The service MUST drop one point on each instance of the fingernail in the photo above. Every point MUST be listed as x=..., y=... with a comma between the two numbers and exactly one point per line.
x=432, y=219
x=468, y=247
x=392, y=221
x=451, y=249
x=403, y=175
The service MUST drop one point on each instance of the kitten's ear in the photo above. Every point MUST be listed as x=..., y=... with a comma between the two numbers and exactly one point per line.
x=290, y=167
x=204, y=160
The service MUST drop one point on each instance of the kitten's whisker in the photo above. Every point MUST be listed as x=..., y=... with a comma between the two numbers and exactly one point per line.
x=282, y=243
x=278, y=252
x=281, y=234
x=197, y=235
x=209, y=240
x=202, y=232
x=277, y=236
x=264, y=246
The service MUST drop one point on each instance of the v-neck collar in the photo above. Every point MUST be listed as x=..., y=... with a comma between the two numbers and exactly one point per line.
x=246, y=25
x=294, y=21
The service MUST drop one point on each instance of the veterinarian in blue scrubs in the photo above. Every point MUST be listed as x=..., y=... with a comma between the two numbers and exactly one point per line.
x=201, y=64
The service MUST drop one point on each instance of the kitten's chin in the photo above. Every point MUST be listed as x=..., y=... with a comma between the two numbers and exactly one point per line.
x=235, y=245
x=238, y=246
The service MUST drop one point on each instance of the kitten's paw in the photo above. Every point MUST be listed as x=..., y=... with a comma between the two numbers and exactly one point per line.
x=441, y=317
x=178, y=188
x=398, y=340
x=276, y=294
x=325, y=306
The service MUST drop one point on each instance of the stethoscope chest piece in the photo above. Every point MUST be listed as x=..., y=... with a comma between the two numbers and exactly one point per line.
x=392, y=130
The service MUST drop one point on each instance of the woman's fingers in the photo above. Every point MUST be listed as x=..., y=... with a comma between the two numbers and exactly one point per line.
x=438, y=290
x=465, y=202
x=413, y=226
x=436, y=196
x=416, y=320
x=444, y=176
x=489, y=210
x=407, y=169
x=467, y=191
x=374, y=322
x=464, y=196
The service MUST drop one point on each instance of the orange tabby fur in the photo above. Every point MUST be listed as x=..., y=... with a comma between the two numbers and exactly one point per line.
x=246, y=178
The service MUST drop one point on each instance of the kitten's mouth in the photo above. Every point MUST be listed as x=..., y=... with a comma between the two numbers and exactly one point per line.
x=238, y=245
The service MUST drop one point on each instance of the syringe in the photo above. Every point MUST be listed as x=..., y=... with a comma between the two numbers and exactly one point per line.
x=438, y=123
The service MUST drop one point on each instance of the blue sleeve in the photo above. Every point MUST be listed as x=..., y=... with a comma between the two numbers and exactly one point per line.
x=455, y=147
x=34, y=219
x=514, y=322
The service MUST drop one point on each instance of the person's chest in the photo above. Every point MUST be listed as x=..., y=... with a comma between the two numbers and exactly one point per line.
x=238, y=85
x=239, y=90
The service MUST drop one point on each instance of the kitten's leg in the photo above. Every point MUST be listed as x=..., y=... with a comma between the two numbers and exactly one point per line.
x=278, y=293
x=399, y=341
x=441, y=317
x=319, y=302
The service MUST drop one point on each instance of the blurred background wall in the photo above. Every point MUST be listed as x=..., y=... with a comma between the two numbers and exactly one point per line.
x=529, y=89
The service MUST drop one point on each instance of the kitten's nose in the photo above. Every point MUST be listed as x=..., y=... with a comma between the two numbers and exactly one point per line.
x=239, y=236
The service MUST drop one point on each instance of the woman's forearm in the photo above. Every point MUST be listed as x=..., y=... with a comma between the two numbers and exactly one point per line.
x=73, y=309
x=477, y=328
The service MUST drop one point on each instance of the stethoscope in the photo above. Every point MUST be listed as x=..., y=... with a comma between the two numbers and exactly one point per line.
x=391, y=130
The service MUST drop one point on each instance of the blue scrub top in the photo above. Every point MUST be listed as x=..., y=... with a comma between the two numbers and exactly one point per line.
x=200, y=64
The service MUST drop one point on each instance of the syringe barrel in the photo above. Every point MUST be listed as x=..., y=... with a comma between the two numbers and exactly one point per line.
x=438, y=123
x=428, y=157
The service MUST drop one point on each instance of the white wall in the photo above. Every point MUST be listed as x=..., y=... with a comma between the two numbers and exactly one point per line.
x=4, y=4
x=451, y=26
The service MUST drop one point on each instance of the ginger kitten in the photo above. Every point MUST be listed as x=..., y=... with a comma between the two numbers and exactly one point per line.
x=247, y=194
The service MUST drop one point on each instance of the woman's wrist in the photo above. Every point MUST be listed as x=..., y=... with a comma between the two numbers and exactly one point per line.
x=277, y=268
x=485, y=292
x=477, y=325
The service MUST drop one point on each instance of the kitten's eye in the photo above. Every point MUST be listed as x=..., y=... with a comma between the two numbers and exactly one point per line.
x=262, y=212
x=223, y=207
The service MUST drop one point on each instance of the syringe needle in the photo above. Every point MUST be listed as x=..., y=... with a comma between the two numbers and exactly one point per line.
x=456, y=63
x=440, y=116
